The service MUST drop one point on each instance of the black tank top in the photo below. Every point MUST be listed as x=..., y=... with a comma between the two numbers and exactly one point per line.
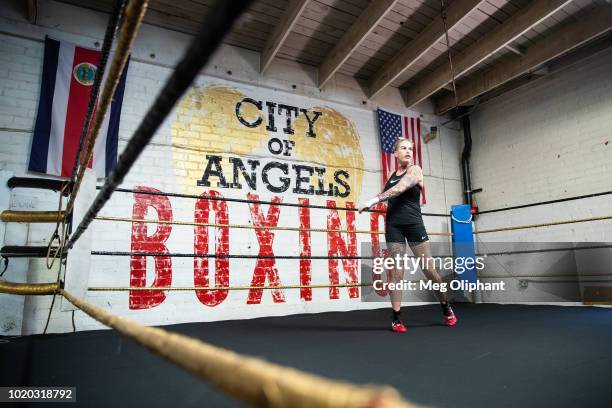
x=405, y=208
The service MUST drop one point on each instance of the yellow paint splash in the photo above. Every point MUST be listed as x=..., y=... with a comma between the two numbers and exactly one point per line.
x=206, y=123
x=336, y=146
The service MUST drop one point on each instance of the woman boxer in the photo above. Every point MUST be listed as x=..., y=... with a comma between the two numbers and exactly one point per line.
x=404, y=223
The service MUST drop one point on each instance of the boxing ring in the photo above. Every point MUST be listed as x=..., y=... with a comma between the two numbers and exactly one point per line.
x=272, y=366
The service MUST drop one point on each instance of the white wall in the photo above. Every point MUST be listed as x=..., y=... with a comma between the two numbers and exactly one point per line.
x=548, y=140
x=167, y=166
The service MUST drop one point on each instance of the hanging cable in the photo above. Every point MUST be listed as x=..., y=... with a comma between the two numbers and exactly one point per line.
x=62, y=242
x=448, y=51
x=6, y=262
x=59, y=234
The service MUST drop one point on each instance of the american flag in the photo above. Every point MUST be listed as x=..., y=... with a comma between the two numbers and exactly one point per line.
x=391, y=127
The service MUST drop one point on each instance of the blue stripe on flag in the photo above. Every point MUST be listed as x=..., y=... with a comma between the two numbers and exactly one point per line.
x=42, y=128
x=112, y=137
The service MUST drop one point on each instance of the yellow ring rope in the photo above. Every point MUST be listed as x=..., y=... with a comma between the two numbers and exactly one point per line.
x=132, y=18
x=245, y=226
x=31, y=216
x=179, y=289
x=544, y=224
x=251, y=380
x=13, y=288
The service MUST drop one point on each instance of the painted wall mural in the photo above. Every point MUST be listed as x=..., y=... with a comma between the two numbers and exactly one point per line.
x=303, y=150
x=231, y=143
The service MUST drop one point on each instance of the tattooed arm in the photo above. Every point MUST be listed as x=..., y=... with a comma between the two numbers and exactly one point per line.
x=413, y=176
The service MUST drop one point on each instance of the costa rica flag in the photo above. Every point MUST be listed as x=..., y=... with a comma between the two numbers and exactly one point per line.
x=66, y=86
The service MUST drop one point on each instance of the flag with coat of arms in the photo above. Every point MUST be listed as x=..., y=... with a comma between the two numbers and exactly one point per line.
x=67, y=81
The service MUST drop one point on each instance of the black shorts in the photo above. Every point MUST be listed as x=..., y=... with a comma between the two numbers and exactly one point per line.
x=413, y=233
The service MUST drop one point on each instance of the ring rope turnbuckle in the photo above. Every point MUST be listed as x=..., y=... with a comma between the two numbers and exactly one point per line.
x=469, y=220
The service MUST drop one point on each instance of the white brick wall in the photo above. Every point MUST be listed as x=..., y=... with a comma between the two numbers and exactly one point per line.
x=21, y=49
x=548, y=140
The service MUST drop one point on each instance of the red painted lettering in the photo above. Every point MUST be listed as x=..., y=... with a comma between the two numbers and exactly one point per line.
x=375, y=226
x=155, y=243
x=265, y=268
x=305, y=250
x=211, y=297
x=336, y=246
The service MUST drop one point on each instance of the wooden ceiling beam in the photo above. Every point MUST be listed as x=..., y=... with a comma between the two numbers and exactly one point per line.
x=422, y=43
x=522, y=21
x=281, y=32
x=515, y=50
x=594, y=24
x=353, y=37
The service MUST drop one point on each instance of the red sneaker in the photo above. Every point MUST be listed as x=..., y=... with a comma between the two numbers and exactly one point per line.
x=451, y=319
x=398, y=327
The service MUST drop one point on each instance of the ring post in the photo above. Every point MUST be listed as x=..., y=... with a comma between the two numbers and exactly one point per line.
x=462, y=227
x=78, y=262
